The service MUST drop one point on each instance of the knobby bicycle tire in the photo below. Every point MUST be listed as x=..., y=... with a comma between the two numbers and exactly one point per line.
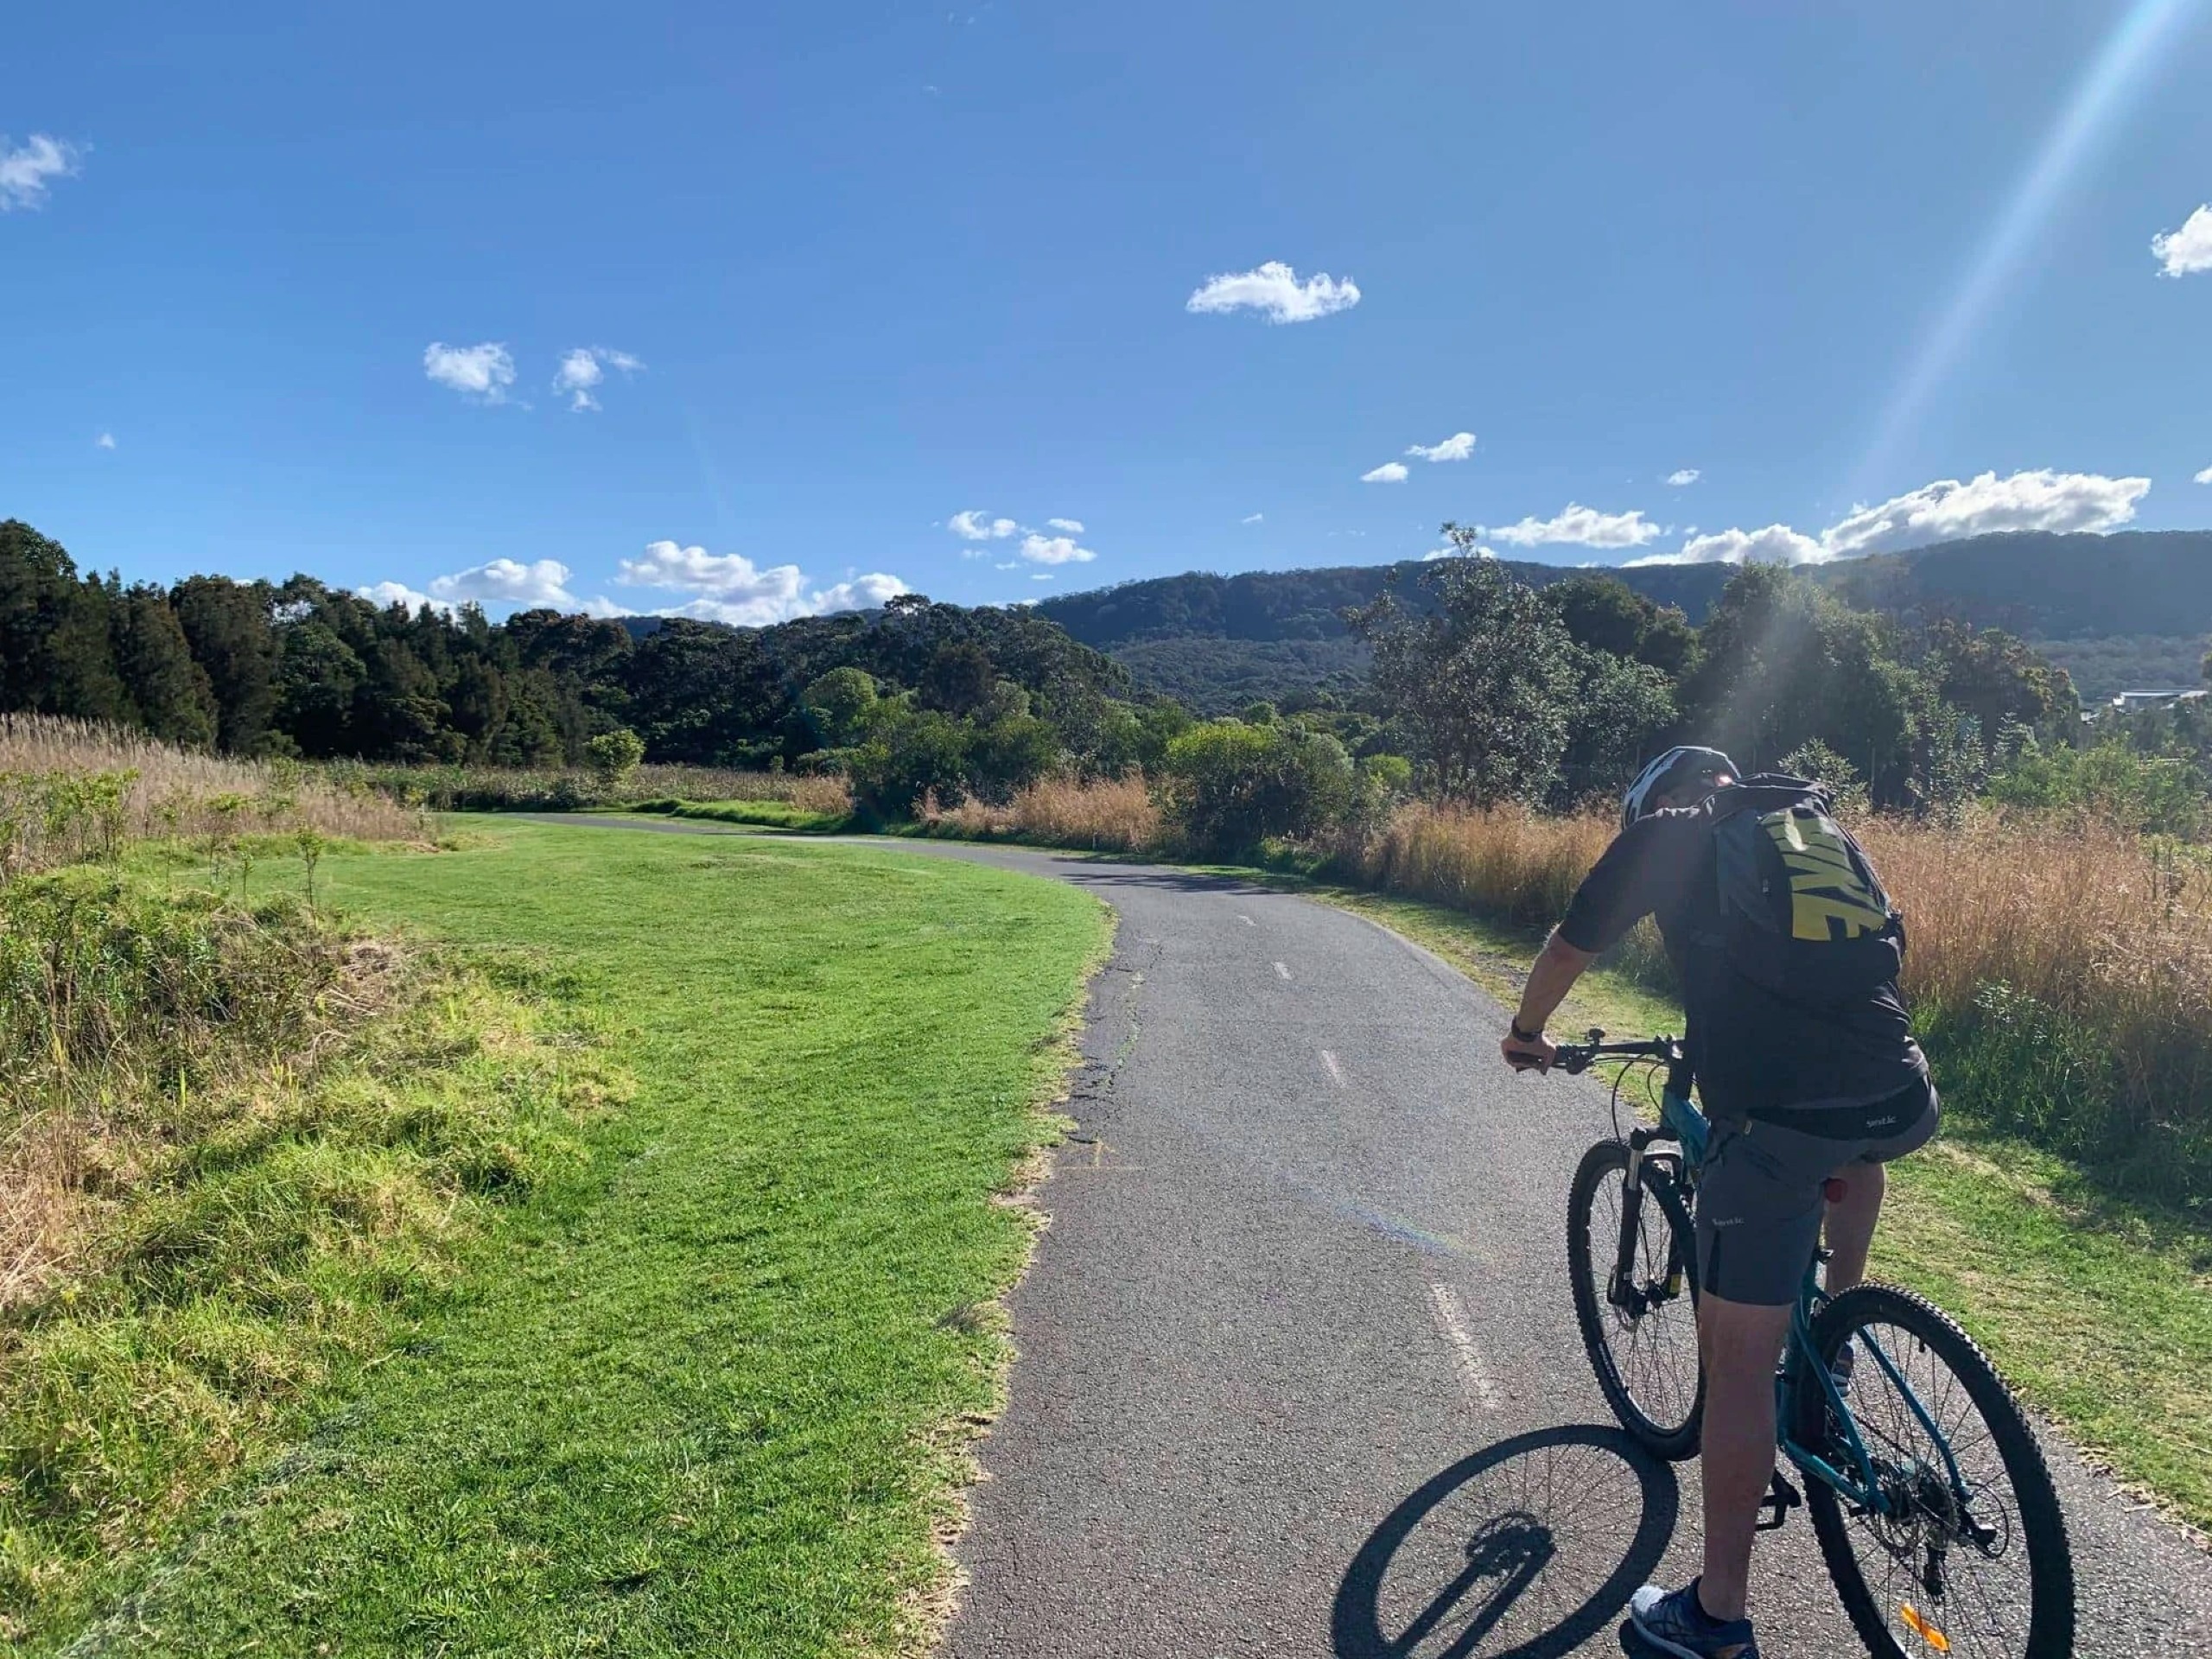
x=2052, y=1602
x=1608, y=1161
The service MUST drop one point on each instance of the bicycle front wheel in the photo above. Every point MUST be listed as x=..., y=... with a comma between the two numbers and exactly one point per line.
x=1965, y=1552
x=1632, y=1260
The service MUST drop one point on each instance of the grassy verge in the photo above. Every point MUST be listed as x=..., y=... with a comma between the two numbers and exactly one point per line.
x=768, y=815
x=713, y=1392
x=243, y=1152
x=2101, y=1312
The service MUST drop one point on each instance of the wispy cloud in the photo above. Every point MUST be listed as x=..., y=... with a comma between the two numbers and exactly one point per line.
x=1254, y=518
x=1458, y=447
x=1390, y=472
x=977, y=525
x=1274, y=291
x=28, y=169
x=730, y=587
x=482, y=372
x=1073, y=526
x=106, y=441
x=1944, y=510
x=1054, y=550
x=584, y=367
x=2188, y=249
x=1686, y=477
x=1581, y=526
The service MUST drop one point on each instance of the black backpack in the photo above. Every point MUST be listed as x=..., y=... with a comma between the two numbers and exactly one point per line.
x=1801, y=911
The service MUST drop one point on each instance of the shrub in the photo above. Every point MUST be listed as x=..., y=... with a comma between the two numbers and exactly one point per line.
x=613, y=757
x=1237, y=786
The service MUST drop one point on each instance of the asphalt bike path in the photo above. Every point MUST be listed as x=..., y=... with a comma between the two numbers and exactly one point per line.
x=1299, y=1371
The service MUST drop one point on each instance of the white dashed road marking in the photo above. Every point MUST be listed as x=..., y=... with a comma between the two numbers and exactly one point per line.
x=1247, y=920
x=1336, y=1072
x=1452, y=1319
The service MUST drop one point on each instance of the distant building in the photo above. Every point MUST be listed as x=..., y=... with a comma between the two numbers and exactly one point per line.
x=2128, y=703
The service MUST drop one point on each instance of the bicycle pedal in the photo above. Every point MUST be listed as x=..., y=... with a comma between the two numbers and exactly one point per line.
x=1780, y=1499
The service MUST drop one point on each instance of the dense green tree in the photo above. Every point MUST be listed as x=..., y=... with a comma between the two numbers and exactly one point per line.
x=227, y=623
x=839, y=706
x=1780, y=661
x=169, y=695
x=957, y=679
x=318, y=678
x=56, y=656
x=1482, y=679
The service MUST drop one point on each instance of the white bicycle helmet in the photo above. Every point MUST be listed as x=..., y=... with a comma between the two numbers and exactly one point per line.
x=1679, y=772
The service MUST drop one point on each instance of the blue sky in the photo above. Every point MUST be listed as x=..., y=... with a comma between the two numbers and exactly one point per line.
x=841, y=273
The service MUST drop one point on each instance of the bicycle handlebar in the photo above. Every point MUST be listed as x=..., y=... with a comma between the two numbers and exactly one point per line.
x=1574, y=1059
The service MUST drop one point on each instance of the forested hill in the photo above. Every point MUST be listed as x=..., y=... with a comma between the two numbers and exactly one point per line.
x=2119, y=610
x=2046, y=586
x=1267, y=606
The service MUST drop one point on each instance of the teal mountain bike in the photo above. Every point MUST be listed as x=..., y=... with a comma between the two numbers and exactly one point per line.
x=1927, y=1489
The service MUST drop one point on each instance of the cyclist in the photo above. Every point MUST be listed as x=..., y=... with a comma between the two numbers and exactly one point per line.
x=1788, y=951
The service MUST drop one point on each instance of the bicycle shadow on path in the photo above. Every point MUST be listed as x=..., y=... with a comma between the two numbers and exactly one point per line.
x=1526, y=1549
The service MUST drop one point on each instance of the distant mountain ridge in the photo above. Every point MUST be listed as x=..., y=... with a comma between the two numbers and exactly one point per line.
x=2101, y=604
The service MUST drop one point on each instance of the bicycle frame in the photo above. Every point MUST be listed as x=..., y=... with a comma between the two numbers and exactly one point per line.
x=1681, y=1121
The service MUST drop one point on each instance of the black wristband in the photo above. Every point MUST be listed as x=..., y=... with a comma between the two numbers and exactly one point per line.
x=1521, y=1036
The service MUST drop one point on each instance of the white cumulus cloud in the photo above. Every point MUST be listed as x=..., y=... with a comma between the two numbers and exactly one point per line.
x=1684, y=478
x=1777, y=545
x=1944, y=510
x=1458, y=447
x=483, y=371
x=1947, y=508
x=584, y=367
x=1274, y=290
x=1054, y=550
x=1261, y=517
x=541, y=584
x=386, y=594
x=977, y=525
x=1072, y=526
x=28, y=169
x=730, y=587
x=2188, y=249
x=1455, y=551
x=1390, y=472
x=1582, y=526
x=106, y=441
x=2205, y=477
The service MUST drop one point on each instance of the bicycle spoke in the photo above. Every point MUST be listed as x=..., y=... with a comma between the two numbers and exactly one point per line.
x=1981, y=1601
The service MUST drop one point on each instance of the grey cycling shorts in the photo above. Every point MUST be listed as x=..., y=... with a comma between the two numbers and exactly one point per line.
x=1760, y=1198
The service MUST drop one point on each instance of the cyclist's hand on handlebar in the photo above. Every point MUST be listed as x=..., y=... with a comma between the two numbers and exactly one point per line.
x=1533, y=1056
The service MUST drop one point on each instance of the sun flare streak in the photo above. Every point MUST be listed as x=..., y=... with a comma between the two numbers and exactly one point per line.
x=2132, y=49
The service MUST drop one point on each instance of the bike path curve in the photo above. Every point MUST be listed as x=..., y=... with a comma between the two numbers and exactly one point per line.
x=1299, y=1372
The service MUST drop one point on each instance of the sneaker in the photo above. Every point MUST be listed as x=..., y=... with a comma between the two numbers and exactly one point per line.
x=1677, y=1624
x=1845, y=1362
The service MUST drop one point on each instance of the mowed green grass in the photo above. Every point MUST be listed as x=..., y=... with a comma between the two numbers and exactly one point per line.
x=711, y=1396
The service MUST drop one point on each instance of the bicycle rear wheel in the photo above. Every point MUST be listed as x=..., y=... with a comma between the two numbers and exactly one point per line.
x=1641, y=1325
x=1979, y=1566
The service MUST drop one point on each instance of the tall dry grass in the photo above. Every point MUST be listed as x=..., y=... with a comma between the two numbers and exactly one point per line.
x=1505, y=862
x=1108, y=814
x=70, y=790
x=560, y=789
x=2062, y=973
